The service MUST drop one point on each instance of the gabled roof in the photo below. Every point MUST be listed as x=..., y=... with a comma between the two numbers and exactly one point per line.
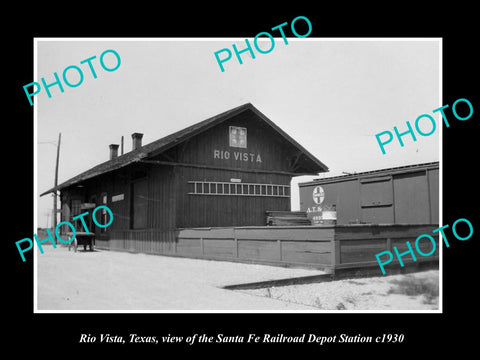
x=174, y=139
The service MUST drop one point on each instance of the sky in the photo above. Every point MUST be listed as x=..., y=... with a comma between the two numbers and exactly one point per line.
x=331, y=95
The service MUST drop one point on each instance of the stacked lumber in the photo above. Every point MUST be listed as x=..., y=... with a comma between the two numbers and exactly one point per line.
x=287, y=218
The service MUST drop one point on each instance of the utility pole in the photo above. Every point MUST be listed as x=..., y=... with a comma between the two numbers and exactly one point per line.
x=56, y=183
x=48, y=219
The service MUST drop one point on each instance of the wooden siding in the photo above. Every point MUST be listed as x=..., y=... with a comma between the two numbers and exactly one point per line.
x=357, y=245
x=158, y=201
x=194, y=210
x=434, y=190
x=140, y=200
x=412, y=204
x=376, y=196
x=279, y=245
x=143, y=241
x=330, y=248
x=161, y=205
x=263, y=143
x=155, y=193
x=411, y=197
x=167, y=204
x=285, y=246
x=356, y=251
x=346, y=196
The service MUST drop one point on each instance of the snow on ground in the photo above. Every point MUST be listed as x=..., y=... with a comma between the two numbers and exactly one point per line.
x=416, y=291
x=109, y=280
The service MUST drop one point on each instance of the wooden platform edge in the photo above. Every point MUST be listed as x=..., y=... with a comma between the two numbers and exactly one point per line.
x=281, y=282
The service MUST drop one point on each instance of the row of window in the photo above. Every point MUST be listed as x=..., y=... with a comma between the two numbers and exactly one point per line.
x=238, y=189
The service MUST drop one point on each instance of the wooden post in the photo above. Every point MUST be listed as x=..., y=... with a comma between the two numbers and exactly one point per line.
x=337, y=259
x=389, y=244
x=236, y=242
x=54, y=216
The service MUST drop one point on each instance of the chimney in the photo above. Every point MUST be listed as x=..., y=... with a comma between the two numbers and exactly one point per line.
x=136, y=141
x=113, y=151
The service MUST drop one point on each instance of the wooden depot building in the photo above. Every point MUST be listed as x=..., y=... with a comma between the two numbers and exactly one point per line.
x=209, y=191
x=226, y=171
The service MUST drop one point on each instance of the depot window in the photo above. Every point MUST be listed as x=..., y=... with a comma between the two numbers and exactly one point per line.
x=238, y=137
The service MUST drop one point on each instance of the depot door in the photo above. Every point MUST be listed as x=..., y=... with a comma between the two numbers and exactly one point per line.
x=139, y=204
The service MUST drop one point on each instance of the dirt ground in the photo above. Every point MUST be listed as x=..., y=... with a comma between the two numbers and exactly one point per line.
x=416, y=291
x=116, y=281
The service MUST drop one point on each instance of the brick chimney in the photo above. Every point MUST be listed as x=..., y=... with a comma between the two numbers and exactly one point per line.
x=136, y=141
x=113, y=151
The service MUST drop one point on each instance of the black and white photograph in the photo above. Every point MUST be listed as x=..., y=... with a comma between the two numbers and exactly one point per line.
x=281, y=187
x=280, y=177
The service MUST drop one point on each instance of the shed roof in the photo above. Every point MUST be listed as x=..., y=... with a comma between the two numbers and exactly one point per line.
x=174, y=139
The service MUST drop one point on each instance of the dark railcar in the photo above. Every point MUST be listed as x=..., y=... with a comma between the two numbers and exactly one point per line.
x=400, y=195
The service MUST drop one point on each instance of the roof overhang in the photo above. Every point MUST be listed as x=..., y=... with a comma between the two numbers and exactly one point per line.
x=163, y=144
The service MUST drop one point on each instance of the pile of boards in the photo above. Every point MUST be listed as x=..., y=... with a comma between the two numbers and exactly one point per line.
x=287, y=218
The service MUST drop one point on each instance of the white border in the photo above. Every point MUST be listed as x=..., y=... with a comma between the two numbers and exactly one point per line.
x=35, y=190
x=35, y=179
